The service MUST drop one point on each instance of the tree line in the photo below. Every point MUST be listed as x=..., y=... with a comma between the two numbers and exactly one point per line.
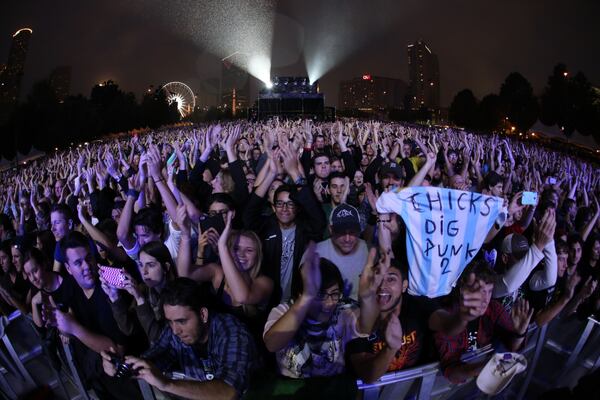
x=568, y=100
x=45, y=122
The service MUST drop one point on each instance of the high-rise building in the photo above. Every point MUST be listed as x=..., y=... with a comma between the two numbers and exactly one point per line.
x=370, y=93
x=208, y=93
x=235, y=82
x=60, y=81
x=424, y=76
x=10, y=85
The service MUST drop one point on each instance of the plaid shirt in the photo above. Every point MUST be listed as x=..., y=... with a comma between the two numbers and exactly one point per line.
x=495, y=323
x=229, y=355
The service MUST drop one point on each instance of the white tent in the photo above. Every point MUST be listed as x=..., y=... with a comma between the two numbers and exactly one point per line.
x=5, y=164
x=554, y=132
x=32, y=155
x=546, y=130
x=584, y=141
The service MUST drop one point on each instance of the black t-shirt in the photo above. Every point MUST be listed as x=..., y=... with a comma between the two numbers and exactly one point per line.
x=414, y=317
x=95, y=314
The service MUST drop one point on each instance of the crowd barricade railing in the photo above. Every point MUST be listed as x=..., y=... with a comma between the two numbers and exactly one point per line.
x=18, y=360
x=24, y=347
x=73, y=370
x=593, y=359
x=147, y=390
x=591, y=323
x=538, y=347
x=597, y=362
x=425, y=375
x=6, y=367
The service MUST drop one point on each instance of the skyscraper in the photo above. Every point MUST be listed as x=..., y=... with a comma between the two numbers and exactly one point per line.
x=235, y=82
x=10, y=85
x=424, y=76
x=371, y=93
x=60, y=81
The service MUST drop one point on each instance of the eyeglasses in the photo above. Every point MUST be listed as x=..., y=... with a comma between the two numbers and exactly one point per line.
x=335, y=296
x=289, y=204
x=217, y=212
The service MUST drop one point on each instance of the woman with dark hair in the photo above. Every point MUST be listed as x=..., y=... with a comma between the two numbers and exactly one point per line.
x=44, y=281
x=156, y=269
x=590, y=265
x=45, y=241
x=13, y=285
x=587, y=300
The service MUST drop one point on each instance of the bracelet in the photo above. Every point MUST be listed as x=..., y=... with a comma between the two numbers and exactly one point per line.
x=159, y=180
x=519, y=335
x=133, y=193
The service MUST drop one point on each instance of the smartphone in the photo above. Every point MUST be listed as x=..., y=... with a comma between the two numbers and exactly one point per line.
x=113, y=276
x=552, y=180
x=215, y=221
x=172, y=159
x=529, y=198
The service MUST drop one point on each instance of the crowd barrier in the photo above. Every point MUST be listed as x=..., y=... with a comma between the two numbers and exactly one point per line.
x=22, y=349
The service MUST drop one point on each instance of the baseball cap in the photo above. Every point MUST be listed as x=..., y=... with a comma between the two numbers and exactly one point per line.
x=393, y=168
x=499, y=371
x=344, y=218
x=516, y=245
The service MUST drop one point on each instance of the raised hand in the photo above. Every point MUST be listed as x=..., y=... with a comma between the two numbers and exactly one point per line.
x=233, y=137
x=227, y=231
x=154, y=163
x=311, y=273
x=112, y=167
x=472, y=299
x=393, y=330
x=588, y=288
x=308, y=132
x=372, y=275
x=183, y=220
x=111, y=291
x=572, y=282
x=544, y=232
x=290, y=161
x=521, y=315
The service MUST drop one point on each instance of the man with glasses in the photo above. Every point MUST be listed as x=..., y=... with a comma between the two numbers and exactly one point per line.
x=297, y=219
x=309, y=335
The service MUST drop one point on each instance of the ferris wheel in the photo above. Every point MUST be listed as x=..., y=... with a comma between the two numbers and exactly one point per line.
x=181, y=94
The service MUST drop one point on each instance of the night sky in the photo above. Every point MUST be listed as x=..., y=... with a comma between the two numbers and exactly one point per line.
x=138, y=43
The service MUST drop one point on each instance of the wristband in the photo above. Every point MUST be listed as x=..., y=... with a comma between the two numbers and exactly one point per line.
x=519, y=335
x=133, y=193
x=159, y=180
x=301, y=181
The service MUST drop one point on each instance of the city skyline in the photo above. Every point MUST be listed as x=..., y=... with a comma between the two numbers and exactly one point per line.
x=12, y=73
x=478, y=45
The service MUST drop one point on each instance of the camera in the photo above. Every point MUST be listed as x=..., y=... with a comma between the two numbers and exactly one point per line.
x=124, y=370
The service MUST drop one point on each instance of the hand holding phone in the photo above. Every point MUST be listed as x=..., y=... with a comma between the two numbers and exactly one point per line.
x=113, y=276
x=215, y=221
x=529, y=199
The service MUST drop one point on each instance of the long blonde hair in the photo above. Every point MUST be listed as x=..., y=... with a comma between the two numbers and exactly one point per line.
x=234, y=237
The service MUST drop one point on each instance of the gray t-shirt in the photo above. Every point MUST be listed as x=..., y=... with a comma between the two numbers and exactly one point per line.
x=350, y=265
x=288, y=239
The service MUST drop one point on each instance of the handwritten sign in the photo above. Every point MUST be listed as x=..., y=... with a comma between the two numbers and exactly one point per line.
x=445, y=229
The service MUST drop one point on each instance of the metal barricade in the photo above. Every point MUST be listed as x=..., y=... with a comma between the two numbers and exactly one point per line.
x=425, y=374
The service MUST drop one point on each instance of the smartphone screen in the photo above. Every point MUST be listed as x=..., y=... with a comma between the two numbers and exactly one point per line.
x=113, y=276
x=215, y=221
x=529, y=198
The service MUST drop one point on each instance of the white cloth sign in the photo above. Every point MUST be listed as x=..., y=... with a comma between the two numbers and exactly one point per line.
x=445, y=229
